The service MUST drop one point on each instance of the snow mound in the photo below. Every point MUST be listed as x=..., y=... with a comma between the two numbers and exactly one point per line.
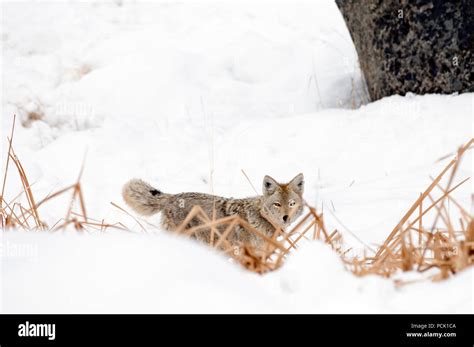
x=161, y=273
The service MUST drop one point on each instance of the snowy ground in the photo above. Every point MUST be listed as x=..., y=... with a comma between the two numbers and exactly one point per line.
x=185, y=96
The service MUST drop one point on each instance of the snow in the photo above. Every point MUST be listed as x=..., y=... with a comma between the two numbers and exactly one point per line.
x=133, y=273
x=186, y=96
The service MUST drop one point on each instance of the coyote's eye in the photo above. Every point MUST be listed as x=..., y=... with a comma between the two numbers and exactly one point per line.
x=276, y=204
x=292, y=203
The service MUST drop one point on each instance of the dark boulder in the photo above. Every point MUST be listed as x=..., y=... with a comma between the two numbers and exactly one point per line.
x=419, y=46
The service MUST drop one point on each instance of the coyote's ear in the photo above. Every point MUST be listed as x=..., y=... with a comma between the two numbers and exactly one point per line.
x=297, y=184
x=269, y=186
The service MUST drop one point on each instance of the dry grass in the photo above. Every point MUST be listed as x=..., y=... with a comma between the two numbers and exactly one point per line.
x=13, y=215
x=447, y=246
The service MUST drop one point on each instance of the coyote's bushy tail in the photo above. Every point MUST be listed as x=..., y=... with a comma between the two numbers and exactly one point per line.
x=142, y=197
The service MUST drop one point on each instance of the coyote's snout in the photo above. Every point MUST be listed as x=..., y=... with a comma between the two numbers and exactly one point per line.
x=278, y=206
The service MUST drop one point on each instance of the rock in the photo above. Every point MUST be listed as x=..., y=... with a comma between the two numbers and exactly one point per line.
x=419, y=46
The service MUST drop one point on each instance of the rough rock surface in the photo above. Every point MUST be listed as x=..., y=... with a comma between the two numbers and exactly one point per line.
x=419, y=46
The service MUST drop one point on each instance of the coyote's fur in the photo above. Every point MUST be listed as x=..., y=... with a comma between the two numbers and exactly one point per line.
x=278, y=207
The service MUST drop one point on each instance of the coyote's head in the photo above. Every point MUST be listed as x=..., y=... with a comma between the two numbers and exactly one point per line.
x=282, y=203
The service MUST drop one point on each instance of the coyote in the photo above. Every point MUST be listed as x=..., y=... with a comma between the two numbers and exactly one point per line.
x=277, y=208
